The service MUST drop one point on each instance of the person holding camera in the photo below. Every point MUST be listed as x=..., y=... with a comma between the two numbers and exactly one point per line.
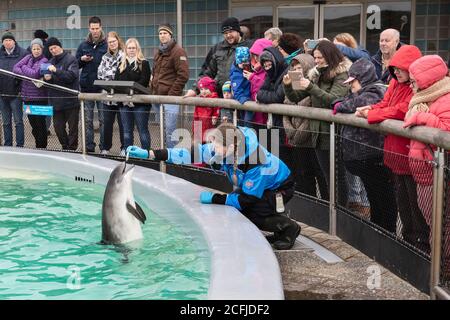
x=63, y=70
x=240, y=84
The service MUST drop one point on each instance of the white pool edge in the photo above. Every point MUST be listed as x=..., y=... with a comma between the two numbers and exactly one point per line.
x=243, y=264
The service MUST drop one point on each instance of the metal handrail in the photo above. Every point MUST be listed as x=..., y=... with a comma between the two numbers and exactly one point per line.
x=426, y=135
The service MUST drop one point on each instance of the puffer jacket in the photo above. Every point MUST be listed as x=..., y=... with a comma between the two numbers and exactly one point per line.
x=258, y=77
x=205, y=115
x=394, y=106
x=359, y=143
x=221, y=61
x=66, y=75
x=8, y=85
x=297, y=129
x=272, y=89
x=89, y=73
x=322, y=94
x=170, y=71
x=31, y=67
x=427, y=71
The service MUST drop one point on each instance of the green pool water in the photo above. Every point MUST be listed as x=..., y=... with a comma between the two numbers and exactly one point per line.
x=50, y=228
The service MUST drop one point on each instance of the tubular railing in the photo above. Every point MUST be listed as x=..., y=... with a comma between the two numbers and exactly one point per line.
x=426, y=135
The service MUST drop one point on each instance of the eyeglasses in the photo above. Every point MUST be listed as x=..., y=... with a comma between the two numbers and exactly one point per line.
x=397, y=70
x=111, y=42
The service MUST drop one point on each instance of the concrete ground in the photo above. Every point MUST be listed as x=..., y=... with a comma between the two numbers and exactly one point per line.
x=308, y=277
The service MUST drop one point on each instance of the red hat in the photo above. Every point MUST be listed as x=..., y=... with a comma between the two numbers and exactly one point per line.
x=207, y=83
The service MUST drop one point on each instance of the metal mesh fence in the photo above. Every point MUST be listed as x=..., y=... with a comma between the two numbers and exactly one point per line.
x=380, y=187
x=445, y=252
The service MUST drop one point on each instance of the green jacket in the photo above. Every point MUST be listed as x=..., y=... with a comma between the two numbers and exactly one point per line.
x=322, y=94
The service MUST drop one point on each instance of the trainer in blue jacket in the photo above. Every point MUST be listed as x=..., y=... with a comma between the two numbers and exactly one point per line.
x=263, y=183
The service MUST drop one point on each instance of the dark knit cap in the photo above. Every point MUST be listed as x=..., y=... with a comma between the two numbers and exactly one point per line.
x=230, y=24
x=166, y=27
x=41, y=34
x=290, y=42
x=8, y=35
x=53, y=42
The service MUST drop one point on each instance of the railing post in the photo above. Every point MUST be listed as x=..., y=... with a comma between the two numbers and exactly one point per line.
x=235, y=117
x=437, y=215
x=162, y=126
x=332, y=185
x=83, y=129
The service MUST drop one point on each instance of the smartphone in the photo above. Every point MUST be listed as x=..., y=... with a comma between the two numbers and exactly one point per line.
x=311, y=44
x=246, y=67
x=295, y=76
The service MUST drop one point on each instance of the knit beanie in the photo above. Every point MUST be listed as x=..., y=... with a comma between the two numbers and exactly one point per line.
x=242, y=55
x=230, y=24
x=207, y=83
x=41, y=34
x=37, y=41
x=166, y=27
x=53, y=42
x=226, y=87
x=8, y=35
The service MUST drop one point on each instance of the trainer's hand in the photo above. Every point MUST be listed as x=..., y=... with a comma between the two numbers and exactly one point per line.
x=136, y=152
x=206, y=197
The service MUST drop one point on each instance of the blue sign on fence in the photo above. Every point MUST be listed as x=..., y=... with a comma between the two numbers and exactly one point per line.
x=38, y=110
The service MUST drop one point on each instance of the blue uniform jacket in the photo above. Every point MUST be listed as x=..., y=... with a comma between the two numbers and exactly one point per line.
x=253, y=179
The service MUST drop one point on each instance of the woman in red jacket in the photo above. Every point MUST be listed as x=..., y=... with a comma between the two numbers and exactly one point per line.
x=394, y=106
x=430, y=106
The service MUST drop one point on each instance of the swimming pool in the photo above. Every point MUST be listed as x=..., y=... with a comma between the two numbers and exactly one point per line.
x=190, y=251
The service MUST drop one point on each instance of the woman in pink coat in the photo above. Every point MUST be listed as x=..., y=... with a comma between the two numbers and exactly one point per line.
x=429, y=106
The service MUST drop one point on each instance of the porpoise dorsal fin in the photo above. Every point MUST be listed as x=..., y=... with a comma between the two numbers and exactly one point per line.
x=137, y=212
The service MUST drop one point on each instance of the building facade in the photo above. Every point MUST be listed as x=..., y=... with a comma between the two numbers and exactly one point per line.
x=425, y=23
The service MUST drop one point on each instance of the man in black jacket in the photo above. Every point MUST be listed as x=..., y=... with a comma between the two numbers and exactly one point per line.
x=89, y=56
x=63, y=71
x=220, y=58
x=10, y=103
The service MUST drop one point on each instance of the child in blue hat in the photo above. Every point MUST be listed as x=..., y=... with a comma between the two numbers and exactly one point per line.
x=239, y=84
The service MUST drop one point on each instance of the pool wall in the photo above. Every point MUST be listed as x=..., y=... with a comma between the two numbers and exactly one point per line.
x=243, y=265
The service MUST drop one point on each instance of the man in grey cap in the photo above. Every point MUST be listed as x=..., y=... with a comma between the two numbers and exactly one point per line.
x=10, y=102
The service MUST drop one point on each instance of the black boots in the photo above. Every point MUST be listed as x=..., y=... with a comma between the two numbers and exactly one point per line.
x=285, y=239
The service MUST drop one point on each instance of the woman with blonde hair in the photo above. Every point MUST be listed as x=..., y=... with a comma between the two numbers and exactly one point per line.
x=347, y=44
x=107, y=71
x=134, y=67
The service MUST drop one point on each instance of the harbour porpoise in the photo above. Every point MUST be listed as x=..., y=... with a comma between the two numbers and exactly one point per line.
x=121, y=215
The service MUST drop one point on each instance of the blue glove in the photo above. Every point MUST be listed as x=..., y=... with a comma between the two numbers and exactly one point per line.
x=206, y=197
x=136, y=152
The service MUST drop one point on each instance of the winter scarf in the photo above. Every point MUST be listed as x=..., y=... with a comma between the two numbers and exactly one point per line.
x=420, y=101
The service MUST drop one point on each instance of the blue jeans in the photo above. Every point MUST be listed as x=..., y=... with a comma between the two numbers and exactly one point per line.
x=89, y=120
x=356, y=191
x=12, y=108
x=138, y=115
x=171, y=112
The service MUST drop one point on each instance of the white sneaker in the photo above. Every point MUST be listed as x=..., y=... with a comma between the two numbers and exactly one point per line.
x=104, y=152
x=123, y=153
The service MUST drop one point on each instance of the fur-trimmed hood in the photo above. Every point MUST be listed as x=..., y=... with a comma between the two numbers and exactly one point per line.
x=343, y=66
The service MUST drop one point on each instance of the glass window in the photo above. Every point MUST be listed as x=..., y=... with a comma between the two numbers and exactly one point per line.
x=395, y=15
x=338, y=19
x=299, y=20
x=257, y=19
